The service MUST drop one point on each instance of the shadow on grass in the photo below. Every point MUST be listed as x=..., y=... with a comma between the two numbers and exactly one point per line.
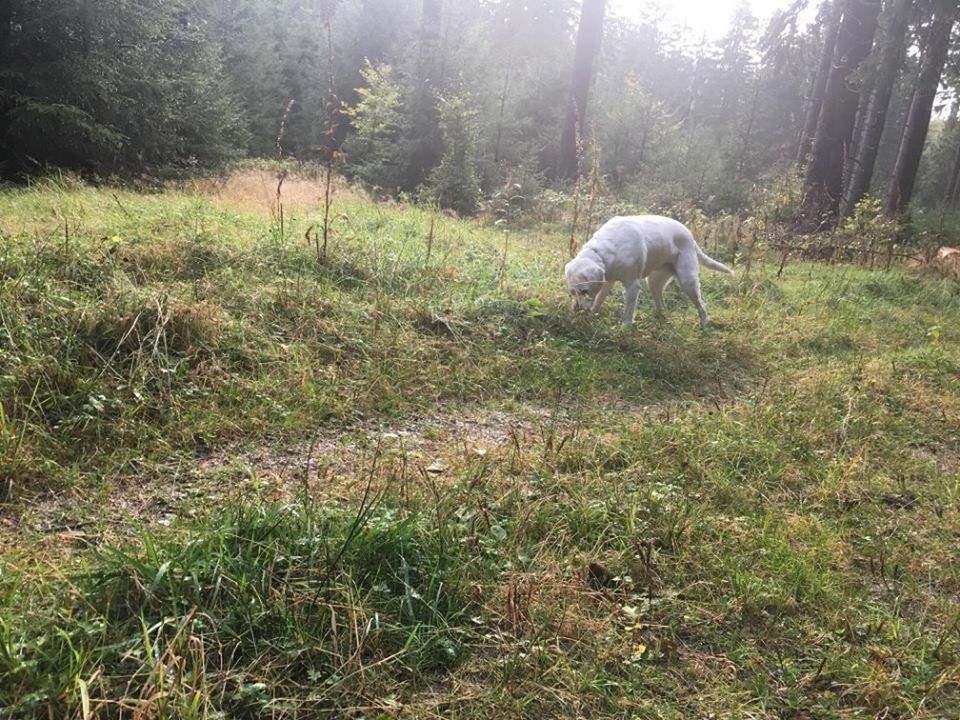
x=587, y=356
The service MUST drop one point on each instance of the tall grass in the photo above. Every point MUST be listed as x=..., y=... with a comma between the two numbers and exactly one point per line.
x=263, y=611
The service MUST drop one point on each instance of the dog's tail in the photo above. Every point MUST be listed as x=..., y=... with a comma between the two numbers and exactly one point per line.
x=709, y=262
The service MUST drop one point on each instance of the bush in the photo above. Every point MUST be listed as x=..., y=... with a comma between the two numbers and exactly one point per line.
x=373, y=150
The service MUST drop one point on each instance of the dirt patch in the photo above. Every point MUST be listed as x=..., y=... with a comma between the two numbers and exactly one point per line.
x=946, y=459
x=334, y=464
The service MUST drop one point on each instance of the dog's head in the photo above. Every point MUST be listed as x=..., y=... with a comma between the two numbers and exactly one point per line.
x=584, y=280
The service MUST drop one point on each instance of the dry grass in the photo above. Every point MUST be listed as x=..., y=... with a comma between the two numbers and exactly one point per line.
x=254, y=191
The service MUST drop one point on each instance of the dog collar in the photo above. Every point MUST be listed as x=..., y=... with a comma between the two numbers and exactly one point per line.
x=595, y=252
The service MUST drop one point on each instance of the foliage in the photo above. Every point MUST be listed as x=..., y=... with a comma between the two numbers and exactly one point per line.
x=113, y=86
x=454, y=182
x=373, y=152
x=868, y=222
x=139, y=86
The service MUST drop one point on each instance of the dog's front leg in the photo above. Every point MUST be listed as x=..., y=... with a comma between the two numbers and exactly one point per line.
x=601, y=296
x=630, y=301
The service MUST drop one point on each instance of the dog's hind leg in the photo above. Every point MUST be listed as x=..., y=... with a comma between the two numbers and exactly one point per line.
x=630, y=301
x=689, y=279
x=657, y=281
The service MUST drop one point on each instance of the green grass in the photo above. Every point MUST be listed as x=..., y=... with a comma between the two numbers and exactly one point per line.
x=243, y=483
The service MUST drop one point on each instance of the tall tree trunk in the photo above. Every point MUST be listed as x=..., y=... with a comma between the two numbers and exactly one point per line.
x=7, y=86
x=823, y=185
x=888, y=70
x=950, y=141
x=588, y=46
x=503, y=106
x=953, y=185
x=748, y=133
x=809, y=130
x=692, y=93
x=425, y=142
x=869, y=81
x=918, y=120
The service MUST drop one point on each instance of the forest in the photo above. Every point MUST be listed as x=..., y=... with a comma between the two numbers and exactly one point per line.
x=297, y=421
x=459, y=101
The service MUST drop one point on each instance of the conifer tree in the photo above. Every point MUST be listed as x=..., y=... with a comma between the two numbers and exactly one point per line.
x=918, y=121
x=588, y=46
x=823, y=184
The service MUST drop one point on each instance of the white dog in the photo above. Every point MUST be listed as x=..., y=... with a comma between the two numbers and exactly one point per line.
x=629, y=249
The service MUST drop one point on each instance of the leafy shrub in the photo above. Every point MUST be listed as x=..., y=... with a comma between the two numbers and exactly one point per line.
x=870, y=230
x=373, y=150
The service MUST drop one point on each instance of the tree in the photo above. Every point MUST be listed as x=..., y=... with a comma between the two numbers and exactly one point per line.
x=423, y=130
x=823, y=184
x=739, y=102
x=936, y=178
x=256, y=71
x=372, y=149
x=951, y=191
x=891, y=57
x=918, y=121
x=834, y=10
x=589, y=37
x=526, y=42
x=114, y=86
x=454, y=181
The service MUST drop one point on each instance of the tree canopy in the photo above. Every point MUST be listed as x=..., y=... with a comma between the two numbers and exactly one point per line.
x=454, y=98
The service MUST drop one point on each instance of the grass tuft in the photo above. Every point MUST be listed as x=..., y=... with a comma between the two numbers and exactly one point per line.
x=263, y=603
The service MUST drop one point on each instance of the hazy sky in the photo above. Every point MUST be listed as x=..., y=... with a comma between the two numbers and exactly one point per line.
x=709, y=17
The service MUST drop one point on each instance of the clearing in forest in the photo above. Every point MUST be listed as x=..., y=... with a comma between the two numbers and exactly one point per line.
x=404, y=481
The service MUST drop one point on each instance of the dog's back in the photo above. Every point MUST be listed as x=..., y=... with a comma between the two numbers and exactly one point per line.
x=650, y=240
x=633, y=245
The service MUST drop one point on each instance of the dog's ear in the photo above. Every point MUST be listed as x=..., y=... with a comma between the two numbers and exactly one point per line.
x=572, y=273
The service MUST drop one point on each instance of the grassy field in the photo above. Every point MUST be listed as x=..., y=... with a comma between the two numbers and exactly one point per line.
x=404, y=482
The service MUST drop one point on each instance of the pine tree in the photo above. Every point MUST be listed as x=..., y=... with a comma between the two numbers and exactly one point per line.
x=891, y=58
x=834, y=11
x=588, y=46
x=114, y=86
x=454, y=182
x=823, y=184
x=918, y=121
x=422, y=133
